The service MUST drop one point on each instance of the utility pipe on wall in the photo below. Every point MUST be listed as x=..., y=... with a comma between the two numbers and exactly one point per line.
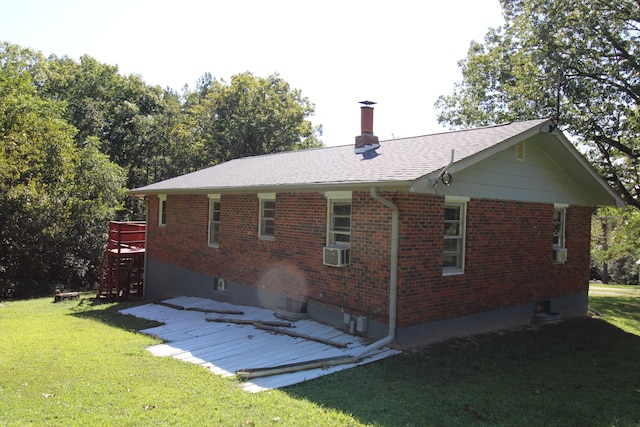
x=393, y=274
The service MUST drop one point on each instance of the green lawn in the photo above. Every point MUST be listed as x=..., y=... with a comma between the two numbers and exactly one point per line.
x=78, y=363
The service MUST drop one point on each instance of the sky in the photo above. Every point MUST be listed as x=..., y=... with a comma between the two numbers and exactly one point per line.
x=402, y=54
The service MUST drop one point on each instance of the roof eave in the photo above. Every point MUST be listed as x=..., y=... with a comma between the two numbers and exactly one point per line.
x=296, y=188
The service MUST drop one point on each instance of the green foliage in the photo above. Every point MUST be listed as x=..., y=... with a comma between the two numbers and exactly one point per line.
x=53, y=194
x=615, y=245
x=156, y=134
x=38, y=164
x=99, y=186
x=133, y=122
x=74, y=134
x=249, y=116
x=573, y=60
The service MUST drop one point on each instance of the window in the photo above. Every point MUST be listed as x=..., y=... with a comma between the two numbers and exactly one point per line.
x=267, y=226
x=214, y=220
x=454, y=235
x=559, y=221
x=162, y=210
x=339, y=218
x=340, y=223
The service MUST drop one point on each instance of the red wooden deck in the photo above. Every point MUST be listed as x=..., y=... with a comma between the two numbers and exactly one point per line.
x=122, y=268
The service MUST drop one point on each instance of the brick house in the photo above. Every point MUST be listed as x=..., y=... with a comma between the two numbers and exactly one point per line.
x=409, y=240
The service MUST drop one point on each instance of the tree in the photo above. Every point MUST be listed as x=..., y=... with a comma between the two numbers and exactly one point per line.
x=249, y=116
x=615, y=245
x=155, y=134
x=121, y=111
x=74, y=134
x=577, y=61
x=95, y=196
x=53, y=195
x=141, y=128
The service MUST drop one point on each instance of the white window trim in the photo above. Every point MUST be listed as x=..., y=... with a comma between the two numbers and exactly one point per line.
x=333, y=197
x=162, y=198
x=264, y=197
x=339, y=195
x=456, y=199
x=563, y=208
x=462, y=202
x=212, y=198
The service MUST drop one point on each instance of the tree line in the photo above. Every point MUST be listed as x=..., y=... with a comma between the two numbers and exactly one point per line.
x=74, y=134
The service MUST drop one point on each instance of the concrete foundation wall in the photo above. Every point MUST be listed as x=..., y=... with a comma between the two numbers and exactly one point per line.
x=508, y=318
x=172, y=281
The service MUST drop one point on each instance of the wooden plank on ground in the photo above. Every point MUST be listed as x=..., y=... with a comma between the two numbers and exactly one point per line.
x=213, y=310
x=249, y=322
x=170, y=305
x=295, y=367
x=299, y=335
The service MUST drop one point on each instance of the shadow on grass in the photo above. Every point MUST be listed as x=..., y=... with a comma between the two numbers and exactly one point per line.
x=109, y=313
x=582, y=372
x=617, y=306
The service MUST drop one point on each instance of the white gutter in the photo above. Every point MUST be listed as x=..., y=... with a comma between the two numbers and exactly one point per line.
x=393, y=274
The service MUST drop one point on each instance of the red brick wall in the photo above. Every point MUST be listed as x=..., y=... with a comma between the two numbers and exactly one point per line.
x=421, y=255
x=286, y=265
x=183, y=240
x=575, y=274
x=508, y=261
x=508, y=252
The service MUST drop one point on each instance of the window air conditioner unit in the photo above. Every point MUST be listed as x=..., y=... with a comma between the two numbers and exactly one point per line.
x=559, y=255
x=335, y=256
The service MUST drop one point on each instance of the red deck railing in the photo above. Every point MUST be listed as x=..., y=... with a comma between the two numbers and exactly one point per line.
x=127, y=236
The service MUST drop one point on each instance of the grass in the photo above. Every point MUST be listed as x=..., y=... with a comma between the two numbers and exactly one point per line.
x=83, y=364
x=80, y=364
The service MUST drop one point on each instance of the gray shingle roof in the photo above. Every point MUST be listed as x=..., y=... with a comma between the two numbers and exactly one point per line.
x=396, y=161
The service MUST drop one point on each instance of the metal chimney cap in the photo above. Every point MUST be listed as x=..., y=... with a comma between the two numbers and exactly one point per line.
x=367, y=102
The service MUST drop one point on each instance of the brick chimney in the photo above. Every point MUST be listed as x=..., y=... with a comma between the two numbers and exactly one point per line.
x=366, y=140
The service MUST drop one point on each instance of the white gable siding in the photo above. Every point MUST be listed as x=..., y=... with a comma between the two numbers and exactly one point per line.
x=539, y=178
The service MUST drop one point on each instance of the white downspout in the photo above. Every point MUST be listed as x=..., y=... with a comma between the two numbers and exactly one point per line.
x=146, y=247
x=393, y=274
